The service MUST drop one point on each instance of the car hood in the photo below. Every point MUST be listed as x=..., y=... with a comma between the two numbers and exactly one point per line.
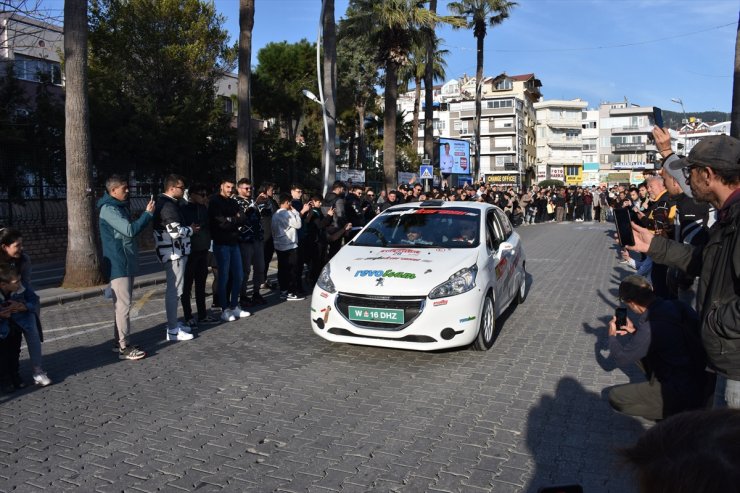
x=404, y=271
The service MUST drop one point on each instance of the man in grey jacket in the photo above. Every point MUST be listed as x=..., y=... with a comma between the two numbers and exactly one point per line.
x=712, y=170
x=120, y=251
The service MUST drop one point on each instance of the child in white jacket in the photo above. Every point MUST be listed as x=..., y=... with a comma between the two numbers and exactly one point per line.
x=285, y=225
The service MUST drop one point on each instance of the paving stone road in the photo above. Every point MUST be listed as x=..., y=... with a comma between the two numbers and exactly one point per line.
x=264, y=405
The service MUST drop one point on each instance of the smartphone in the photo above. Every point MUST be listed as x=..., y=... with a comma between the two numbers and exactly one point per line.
x=568, y=488
x=623, y=220
x=621, y=315
x=657, y=117
x=151, y=198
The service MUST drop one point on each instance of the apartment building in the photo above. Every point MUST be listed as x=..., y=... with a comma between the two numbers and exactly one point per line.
x=508, y=149
x=626, y=146
x=440, y=108
x=34, y=48
x=559, y=140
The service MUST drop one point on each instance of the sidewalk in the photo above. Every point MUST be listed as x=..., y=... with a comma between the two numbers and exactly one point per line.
x=47, y=278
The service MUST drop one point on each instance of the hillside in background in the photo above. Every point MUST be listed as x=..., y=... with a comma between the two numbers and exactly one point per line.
x=672, y=119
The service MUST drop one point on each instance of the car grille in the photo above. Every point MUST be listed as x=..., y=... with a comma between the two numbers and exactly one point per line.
x=412, y=306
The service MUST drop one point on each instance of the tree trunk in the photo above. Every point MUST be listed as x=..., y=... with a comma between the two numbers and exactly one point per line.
x=389, y=125
x=244, y=117
x=429, y=92
x=82, y=267
x=330, y=86
x=415, y=122
x=735, y=117
x=478, y=96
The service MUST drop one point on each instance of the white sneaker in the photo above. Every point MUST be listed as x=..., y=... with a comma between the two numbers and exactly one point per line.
x=180, y=335
x=227, y=315
x=41, y=379
x=184, y=327
x=239, y=312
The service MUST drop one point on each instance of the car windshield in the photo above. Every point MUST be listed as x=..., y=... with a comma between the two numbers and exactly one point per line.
x=451, y=227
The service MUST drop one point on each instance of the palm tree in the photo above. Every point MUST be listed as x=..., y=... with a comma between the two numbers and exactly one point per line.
x=478, y=14
x=429, y=88
x=83, y=265
x=415, y=71
x=391, y=26
x=329, y=30
x=244, y=114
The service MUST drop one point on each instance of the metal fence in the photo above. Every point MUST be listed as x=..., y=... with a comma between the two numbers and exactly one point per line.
x=50, y=207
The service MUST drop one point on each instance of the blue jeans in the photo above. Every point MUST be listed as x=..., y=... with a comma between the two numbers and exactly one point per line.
x=229, y=261
x=727, y=393
x=27, y=320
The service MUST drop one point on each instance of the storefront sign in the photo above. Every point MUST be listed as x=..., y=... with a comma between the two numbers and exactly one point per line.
x=557, y=173
x=541, y=172
x=634, y=165
x=509, y=180
x=637, y=177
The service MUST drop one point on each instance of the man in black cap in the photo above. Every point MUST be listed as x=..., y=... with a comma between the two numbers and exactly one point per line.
x=712, y=170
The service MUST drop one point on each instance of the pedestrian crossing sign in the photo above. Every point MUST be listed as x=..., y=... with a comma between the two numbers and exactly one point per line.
x=426, y=172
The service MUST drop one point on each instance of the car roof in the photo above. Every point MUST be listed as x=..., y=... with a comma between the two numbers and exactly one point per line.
x=442, y=204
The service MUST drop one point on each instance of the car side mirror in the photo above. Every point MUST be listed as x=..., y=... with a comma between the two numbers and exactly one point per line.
x=504, y=246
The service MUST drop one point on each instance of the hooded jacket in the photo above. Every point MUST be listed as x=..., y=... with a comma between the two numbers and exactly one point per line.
x=117, y=234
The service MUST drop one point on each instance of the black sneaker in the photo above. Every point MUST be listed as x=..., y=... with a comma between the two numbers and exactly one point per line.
x=132, y=353
x=295, y=297
x=18, y=382
x=207, y=320
x=258, y=300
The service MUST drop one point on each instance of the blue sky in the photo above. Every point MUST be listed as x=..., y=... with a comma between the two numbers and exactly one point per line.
x=648, y=51
x=599, y=50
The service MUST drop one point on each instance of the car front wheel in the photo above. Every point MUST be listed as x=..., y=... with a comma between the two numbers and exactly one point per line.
x=484, y=339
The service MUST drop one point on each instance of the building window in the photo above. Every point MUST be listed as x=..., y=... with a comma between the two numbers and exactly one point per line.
x=438, y=124
x=228, y=105
x=503, y=160
x=504, y=85
x=37, y=70
x=500, y=103
x=572, y=170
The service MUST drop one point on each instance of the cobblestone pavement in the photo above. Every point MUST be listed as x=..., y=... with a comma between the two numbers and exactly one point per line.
x=263, y=405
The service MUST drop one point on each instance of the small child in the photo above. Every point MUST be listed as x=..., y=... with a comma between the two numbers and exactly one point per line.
x=17, y=315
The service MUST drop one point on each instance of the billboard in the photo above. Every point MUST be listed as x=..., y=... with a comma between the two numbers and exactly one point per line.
x=353, y=176
x=454, y=156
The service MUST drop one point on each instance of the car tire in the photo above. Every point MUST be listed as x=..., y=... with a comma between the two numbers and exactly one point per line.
x=522, y=293
x=487, y=328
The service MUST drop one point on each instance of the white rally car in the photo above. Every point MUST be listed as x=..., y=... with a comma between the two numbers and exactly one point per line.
x=423, y=276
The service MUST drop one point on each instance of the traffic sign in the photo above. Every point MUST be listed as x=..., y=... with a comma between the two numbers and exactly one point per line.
x=425, y=172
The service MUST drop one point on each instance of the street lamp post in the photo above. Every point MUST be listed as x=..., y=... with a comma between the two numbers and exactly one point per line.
x=313, y=98
x=679, y=101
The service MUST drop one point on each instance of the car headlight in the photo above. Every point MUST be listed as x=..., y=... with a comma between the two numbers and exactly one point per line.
x=324, y=281
x=460, y=282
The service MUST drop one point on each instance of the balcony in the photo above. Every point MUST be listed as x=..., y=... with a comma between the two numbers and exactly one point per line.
x=563, y=123
x=564, y=143
x=638, y=147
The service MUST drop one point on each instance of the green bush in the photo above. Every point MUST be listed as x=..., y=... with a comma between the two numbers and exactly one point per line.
x=551, y=183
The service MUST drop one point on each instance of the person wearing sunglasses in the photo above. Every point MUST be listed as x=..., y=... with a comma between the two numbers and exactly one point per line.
x=712, y=171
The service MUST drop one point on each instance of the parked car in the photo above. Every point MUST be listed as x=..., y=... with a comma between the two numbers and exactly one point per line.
x=422, y=276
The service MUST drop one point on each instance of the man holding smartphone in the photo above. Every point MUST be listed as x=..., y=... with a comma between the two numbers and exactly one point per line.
x=665, y=344
x=712, y=170
x=120, y=256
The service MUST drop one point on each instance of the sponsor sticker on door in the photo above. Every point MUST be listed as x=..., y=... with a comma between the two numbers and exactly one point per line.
x=380, y=315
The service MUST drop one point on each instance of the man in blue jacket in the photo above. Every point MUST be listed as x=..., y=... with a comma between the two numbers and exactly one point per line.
x=120, y=251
